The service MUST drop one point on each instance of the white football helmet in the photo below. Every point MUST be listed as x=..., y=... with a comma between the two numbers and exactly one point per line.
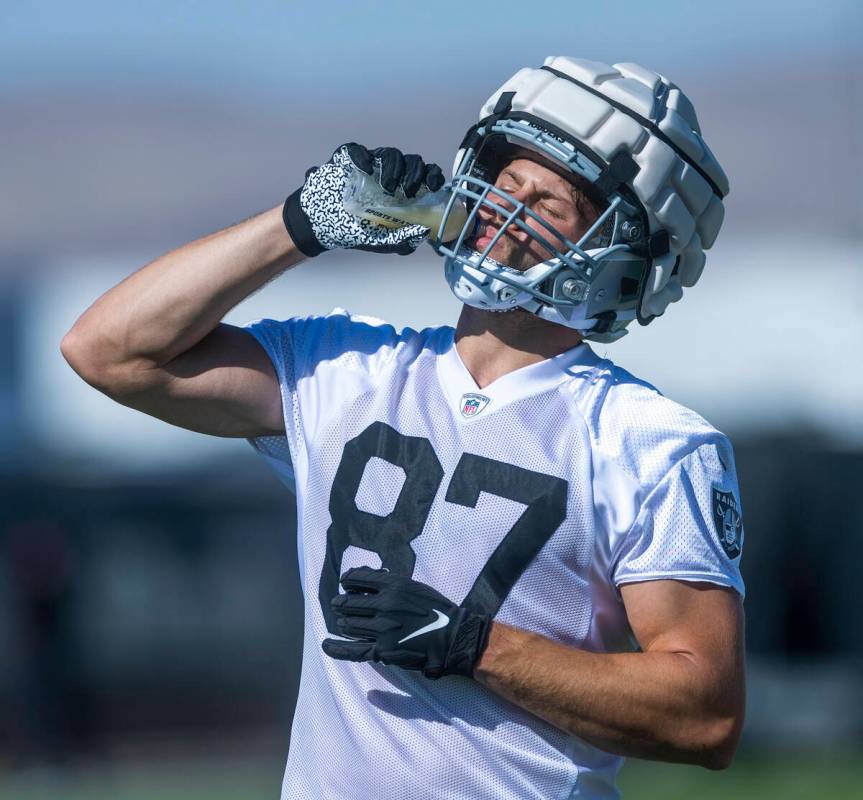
x=635, y=137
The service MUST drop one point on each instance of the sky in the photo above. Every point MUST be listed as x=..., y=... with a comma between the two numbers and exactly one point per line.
x=335, y=47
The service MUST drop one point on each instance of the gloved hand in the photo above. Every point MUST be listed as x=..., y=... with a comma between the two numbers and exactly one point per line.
x=397, y=620
x=317, y=219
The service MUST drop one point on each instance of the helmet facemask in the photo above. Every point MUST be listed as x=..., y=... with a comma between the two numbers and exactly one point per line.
x=592, y=284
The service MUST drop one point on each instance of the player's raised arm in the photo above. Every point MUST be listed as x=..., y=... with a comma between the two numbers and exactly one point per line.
x=155, y=342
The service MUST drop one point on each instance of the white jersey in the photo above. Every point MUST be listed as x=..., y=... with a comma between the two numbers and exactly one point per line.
x=532, y=498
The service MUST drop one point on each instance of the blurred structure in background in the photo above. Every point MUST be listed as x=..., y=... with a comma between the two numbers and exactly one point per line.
x=148, y=587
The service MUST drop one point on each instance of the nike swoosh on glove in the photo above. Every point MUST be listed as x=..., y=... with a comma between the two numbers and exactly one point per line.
x=396, y=620
x=317, y=219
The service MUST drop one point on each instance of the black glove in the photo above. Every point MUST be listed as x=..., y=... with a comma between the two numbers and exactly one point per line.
x=397, y=620
x=317, y=220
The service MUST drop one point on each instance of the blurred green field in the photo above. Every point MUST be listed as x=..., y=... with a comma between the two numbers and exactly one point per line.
x=789, y=777
x=765, y=778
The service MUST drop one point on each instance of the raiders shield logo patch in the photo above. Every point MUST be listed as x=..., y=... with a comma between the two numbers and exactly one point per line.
x=472, y=404
x=728, y=522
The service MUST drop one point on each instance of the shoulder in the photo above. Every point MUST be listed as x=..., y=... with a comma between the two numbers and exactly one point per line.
x=633, y=426
x=352, y=341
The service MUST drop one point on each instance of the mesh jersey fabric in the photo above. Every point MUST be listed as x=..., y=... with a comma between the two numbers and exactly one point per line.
x=384, y=450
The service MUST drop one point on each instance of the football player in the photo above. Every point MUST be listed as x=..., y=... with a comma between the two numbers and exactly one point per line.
x=520, y=563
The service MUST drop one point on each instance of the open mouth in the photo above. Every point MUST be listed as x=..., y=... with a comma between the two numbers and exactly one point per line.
x=484, y=236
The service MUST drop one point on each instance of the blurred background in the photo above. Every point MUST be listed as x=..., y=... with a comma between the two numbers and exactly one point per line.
x=149, y=606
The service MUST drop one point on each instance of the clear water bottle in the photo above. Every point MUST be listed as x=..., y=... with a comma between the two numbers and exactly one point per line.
x=364, y=198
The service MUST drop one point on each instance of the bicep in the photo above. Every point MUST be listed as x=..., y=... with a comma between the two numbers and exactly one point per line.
x=223, y=386
x=701, y=621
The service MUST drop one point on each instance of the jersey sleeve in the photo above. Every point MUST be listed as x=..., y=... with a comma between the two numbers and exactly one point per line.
x=319, y=361
x=689, y=526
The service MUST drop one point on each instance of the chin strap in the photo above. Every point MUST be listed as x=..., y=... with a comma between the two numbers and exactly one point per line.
x=501, y=109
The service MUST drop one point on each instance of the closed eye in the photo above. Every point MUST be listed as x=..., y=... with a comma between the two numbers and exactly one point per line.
x=552, y=213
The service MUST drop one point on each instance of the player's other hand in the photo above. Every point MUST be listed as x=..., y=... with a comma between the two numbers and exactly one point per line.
x=396, y=620
x=317, y=220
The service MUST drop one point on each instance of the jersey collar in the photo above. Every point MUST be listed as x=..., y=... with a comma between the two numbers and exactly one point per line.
x=461, y=389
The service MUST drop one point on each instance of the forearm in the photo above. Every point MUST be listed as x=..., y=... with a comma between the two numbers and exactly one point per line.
x=169, y=305
x=648, y=705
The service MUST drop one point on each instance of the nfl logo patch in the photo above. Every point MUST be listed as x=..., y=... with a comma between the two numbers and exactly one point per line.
x=472, y=404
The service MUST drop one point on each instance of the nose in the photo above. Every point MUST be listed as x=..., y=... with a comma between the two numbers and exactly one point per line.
x=523, y=194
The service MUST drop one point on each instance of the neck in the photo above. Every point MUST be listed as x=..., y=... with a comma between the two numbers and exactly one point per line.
x=491, y=344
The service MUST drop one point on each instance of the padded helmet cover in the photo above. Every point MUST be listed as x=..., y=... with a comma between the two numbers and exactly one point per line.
x=680, y=184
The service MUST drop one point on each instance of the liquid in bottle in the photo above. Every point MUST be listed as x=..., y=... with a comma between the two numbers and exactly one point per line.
x=364, y=198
